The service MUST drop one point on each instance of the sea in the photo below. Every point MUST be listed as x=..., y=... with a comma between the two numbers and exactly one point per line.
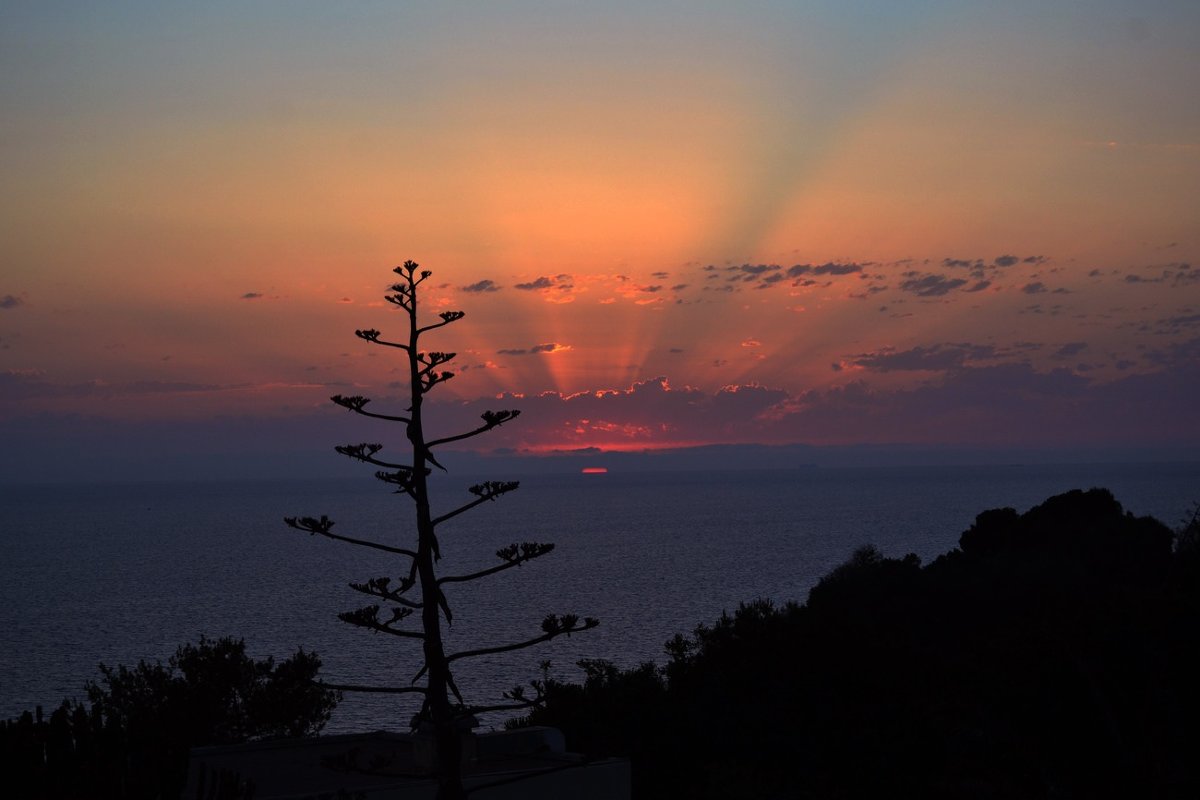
x=117, y=573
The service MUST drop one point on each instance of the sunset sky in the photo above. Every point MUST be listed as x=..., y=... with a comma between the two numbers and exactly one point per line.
x=935, y=223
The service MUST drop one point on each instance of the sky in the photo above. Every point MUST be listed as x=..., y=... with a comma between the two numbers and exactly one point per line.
x=669, y=224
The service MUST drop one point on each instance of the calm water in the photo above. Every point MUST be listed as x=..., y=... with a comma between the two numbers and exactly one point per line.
x=113, y=574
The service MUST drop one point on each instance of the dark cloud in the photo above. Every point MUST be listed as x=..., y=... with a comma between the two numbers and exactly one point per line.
x=936, y=358
x=1070, y=349
x=929, y=284
x=252, y=295
x=484, y=285
x=979, y=286
x=1185, y=274
x=675, y=350
x=540, y=283
x=961, y=263
x=837, y=269
x=27, y=384
x=1005, y=261
x=11, y=301
x=1178, y=323
x=828, y=268
x=1177, y=355
x=866, y=293
x=660, y=275
x=679, y=287
x=647, y=412
x=547, y=347
x=1011, y=404
x=1037, y=287
x=757, y=269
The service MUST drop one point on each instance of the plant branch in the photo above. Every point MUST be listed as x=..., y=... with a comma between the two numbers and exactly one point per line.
x=554, y=626
x=379, y=587
x=447, y=318
x=368, y=617
x=322, y=526
x=491, y=419
x=356, y=402
x=488, y=490
x=351, y=687
x=372, y=335
x=514, y=556
x=365, y=452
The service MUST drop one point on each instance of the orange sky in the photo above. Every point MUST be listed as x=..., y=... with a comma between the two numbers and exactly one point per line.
x=202, y=204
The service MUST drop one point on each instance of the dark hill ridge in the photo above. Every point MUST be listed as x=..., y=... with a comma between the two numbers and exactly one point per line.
x=1052, y=654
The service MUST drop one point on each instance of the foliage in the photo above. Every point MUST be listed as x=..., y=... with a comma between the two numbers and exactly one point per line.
x=133, y=739
x=418, y=591
x=1053, y=654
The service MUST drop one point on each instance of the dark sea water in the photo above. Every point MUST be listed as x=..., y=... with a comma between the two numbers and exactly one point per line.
x=118, y=573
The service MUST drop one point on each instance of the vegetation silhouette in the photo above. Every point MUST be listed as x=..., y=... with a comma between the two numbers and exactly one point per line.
x=419, y=589
x=1053, y=654
x=132, y=739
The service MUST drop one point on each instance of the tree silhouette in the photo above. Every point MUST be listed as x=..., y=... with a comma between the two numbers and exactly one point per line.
x=420, y=590
x=133, y=737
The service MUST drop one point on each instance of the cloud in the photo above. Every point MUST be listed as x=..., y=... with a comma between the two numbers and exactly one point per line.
x=1011, y=404
x=648, y=413
x=1037, y=287
x=1070, y=349
x=828, y=268
x=484, y=285
x=548, y=347
x=11, y=301
x=757, y=269
x=535, y=285
x=1186, y=275
x=559, y=289
x=1177, y=356
x=22, y=385
x=938, y=357
x=1178, y=324
x=252, y=295
x=762, y=276
x=929, y=284
x=1005, y=261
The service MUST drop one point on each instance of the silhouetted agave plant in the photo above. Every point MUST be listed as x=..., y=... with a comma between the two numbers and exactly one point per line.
x=421, y=588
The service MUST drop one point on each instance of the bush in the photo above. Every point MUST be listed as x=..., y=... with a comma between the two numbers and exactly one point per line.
x=1053, y=654
x=133, y=739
